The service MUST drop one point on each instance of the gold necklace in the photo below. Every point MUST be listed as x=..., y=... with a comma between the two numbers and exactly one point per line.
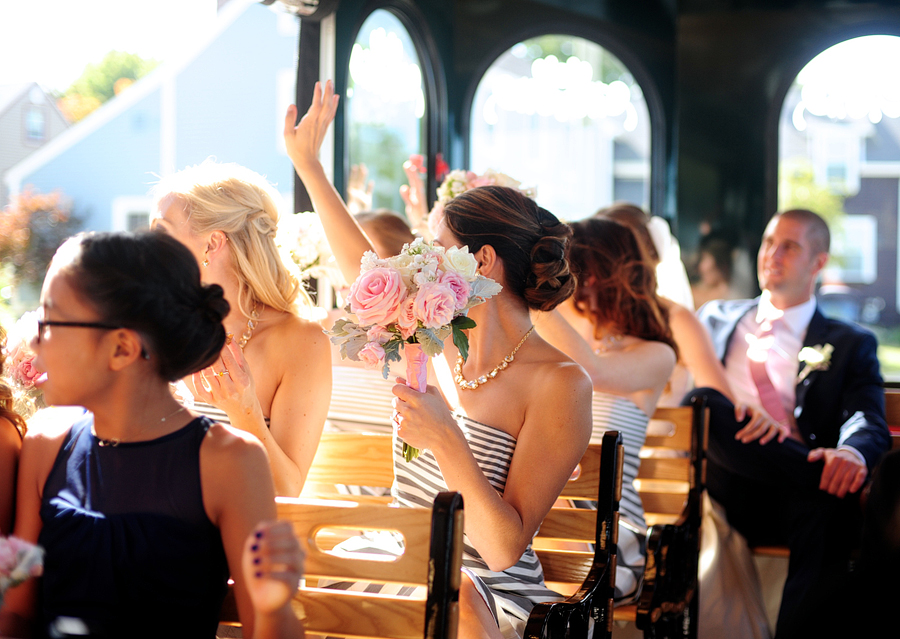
x=251, y=324
x=113, y=442
x=464, y=384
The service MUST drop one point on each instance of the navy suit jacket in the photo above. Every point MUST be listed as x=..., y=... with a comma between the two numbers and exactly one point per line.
x=843, y=405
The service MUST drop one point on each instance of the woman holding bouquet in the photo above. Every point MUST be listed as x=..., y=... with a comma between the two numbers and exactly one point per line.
x=515, y=436
x=273, y=378
x=143, y=509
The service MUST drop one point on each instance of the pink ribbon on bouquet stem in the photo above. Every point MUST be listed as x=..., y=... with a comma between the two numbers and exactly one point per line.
x=416, y=379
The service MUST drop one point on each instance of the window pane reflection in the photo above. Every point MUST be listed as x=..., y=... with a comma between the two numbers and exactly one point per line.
x=385, y=105
x=563, y=114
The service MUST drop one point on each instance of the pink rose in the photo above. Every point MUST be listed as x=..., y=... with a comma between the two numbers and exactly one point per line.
x=407, y=320
x=458, y=285
x=376, y=295
x=24, y=372
x=379, y=334
x=372, y=355
x=435, y=304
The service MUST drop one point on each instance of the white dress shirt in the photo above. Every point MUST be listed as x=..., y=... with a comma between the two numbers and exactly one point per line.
x=783, y=361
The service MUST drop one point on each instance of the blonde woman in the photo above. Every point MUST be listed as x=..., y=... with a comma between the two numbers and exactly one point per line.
x=273, y=379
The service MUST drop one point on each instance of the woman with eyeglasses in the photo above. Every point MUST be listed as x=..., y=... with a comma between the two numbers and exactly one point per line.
x=143, y=508
x=273, y=379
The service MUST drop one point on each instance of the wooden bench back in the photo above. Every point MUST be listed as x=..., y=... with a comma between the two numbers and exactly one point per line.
x=892, y=412
x=432, y=559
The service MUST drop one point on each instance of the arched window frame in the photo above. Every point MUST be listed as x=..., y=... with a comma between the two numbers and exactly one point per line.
x=791, y=68
x=433, y=79
x=658, y=129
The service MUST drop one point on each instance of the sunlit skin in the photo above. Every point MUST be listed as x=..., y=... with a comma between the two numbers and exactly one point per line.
x=787, y=266
x=543, y=400
x=104, y=371
x=265, y=379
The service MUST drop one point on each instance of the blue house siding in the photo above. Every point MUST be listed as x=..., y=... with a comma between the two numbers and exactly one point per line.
x=119, y=158
x=227, y=98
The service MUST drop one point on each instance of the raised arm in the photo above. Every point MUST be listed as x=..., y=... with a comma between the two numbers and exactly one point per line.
x=553, y=438
x=303, y=141
x=696, y=350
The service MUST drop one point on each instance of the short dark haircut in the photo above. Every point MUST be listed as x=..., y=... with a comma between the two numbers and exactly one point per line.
x=816, y=228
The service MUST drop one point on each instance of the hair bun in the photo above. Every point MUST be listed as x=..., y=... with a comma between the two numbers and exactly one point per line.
x=550, y=281
x=212, y=304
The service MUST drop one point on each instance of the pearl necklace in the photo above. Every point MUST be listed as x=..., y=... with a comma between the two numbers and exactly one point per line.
x=251, y=324
x=464, y=384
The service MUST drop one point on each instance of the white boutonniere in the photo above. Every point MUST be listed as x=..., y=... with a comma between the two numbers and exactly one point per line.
x=816, y=358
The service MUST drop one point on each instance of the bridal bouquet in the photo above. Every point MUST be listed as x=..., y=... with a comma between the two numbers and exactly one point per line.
x=414, y=300
x=19, y=560
x=459, y=181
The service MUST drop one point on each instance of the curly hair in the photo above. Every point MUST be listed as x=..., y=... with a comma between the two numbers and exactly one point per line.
x=615, y=282
x=7, y=399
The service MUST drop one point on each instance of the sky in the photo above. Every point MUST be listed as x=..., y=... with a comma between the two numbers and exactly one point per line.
x=51, y=41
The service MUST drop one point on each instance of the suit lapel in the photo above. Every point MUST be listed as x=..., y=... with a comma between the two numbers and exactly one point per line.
x=816, y=335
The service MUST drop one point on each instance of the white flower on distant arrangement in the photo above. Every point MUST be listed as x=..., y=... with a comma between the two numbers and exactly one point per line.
x=19, y=371
x=302, y=237
x=816, y=358
x=459, y=181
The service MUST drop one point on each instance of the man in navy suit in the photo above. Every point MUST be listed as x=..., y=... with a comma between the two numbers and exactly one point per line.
x=819, y=380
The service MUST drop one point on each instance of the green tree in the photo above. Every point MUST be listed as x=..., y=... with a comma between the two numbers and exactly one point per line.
x=101, y=81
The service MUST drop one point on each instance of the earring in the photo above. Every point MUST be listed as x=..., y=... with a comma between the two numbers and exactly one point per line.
x=205, y=261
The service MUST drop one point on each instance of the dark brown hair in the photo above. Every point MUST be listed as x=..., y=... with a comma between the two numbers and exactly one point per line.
x=616, y=283
x=7, y=401
x=149, y=282
x=636, y=219
x=529, y=240
x=816, y=228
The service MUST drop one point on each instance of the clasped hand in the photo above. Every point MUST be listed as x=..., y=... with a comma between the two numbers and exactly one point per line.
x=272, y=564
x=761, y=426
x=422, y=419
x=227, y=384
x=843, y=473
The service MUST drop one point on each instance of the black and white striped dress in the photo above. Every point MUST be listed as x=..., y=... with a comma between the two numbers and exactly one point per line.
x=613, y=412
x=510, y=594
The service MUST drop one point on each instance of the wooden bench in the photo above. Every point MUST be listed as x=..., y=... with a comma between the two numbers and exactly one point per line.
x=670, y=482
x=432, y=558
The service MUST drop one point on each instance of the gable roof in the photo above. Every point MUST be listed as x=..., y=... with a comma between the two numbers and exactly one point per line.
x=162, y=75
x=11, y=93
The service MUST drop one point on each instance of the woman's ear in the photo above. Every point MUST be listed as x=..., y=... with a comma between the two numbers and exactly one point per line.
x=126, y=349
x=216, y=243
x=488, y=262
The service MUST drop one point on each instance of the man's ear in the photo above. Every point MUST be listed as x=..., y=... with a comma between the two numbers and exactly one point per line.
x=126, y=349
x=820, y=261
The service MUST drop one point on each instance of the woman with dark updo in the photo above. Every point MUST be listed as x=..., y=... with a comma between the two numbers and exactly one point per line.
x=142, y=508
x=510, y=443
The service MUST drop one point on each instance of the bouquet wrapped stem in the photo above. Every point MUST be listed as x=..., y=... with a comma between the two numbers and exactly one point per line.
x=416, y=379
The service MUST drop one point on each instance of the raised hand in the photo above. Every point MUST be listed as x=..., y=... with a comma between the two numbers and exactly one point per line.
x=304, y=140
x=413, y=194
x=359, y=192
x=273, y=565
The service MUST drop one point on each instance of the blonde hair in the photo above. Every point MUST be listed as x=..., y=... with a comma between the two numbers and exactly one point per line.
x=239, y=202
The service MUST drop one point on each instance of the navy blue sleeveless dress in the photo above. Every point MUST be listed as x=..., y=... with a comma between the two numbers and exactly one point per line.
x=129, y=548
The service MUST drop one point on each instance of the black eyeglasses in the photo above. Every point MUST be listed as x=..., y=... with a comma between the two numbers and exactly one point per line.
x=42, y=324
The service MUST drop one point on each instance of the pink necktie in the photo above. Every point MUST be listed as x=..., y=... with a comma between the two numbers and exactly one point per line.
x=768, y=396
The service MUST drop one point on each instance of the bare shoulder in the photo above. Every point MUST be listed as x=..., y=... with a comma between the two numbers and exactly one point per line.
x=225, y=444
x=294, y=332
x=49, y=426
x=10, y=440
x=555, y=372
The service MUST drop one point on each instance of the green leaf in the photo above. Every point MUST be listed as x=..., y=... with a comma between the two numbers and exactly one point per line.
x=391, y=354
x=429, y=341
x=409, y=453
x=463, y=322
x=461, y=340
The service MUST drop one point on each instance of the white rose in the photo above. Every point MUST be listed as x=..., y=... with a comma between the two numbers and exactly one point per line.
x=460, y=261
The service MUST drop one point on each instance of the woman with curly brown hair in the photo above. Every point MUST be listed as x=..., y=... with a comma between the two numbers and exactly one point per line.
x=517, y=432
x=12, y=430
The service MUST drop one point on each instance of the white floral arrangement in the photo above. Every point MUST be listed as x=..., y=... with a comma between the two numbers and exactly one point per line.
x=302, y=237
x=816, y=358
x=459, y=181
